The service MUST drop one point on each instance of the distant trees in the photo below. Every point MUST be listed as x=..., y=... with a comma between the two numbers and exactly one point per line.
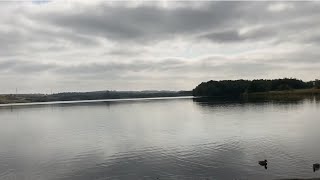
x=238, y=87
x=221, y=88
x=287, y=84
x=73, y=96
x=317, y=84
x=260, y=86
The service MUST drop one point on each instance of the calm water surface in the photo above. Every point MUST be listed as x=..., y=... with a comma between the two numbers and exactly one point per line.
x=165, y=139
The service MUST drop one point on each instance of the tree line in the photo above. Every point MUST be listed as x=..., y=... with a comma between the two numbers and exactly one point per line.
x=72, y=96
x=240, y=87
x=95, y=95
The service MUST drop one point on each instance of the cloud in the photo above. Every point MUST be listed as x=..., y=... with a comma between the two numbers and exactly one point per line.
x=236, y=36
x=276, y=7
x=145, y=22
x=148, y=22
x=154, y=45
x=17, y=66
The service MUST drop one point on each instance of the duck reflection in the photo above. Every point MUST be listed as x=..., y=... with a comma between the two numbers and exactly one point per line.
x=316, y=167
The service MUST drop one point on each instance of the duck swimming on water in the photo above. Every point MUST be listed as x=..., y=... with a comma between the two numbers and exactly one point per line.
x=263, y=163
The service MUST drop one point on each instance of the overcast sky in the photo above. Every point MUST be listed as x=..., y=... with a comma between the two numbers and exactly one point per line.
x=96, y=45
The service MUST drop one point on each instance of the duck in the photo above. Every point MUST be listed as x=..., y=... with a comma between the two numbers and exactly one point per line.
x=263, y=163
x=316, y=167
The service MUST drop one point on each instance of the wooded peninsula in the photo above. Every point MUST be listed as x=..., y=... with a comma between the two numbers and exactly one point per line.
x=259, y=87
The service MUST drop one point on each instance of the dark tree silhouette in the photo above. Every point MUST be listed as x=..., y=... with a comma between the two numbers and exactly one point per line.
x=240, y=87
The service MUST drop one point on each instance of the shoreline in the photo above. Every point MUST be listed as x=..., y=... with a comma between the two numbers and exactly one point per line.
x=295, y=94
x=279, y=95
x=87, y=96
x=92, y=101
x=311, y=91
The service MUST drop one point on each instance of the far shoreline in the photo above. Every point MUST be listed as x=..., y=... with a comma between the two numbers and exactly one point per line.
x=88, y=96
x=93, y=101
x=284, y=95
x=288, y=94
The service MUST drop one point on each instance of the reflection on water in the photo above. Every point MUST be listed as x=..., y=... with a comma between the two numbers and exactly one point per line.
x=316, y=167
x=167, y=139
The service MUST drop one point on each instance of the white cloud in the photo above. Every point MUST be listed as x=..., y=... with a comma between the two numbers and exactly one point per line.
x=276, y=7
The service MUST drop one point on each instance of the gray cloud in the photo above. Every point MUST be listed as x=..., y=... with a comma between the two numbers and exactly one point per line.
x=151, y=22
x=235, y=36
x=172, y=45
x=18, y=66
x=145, y=22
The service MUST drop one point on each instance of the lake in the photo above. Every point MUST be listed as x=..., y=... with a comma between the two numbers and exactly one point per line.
x=186, y=138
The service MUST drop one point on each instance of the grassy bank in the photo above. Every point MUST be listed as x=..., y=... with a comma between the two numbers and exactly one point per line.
x=297, y=93
x=312, y=91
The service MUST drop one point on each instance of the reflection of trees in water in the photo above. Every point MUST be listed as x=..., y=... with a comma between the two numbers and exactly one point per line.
x=227, y=101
